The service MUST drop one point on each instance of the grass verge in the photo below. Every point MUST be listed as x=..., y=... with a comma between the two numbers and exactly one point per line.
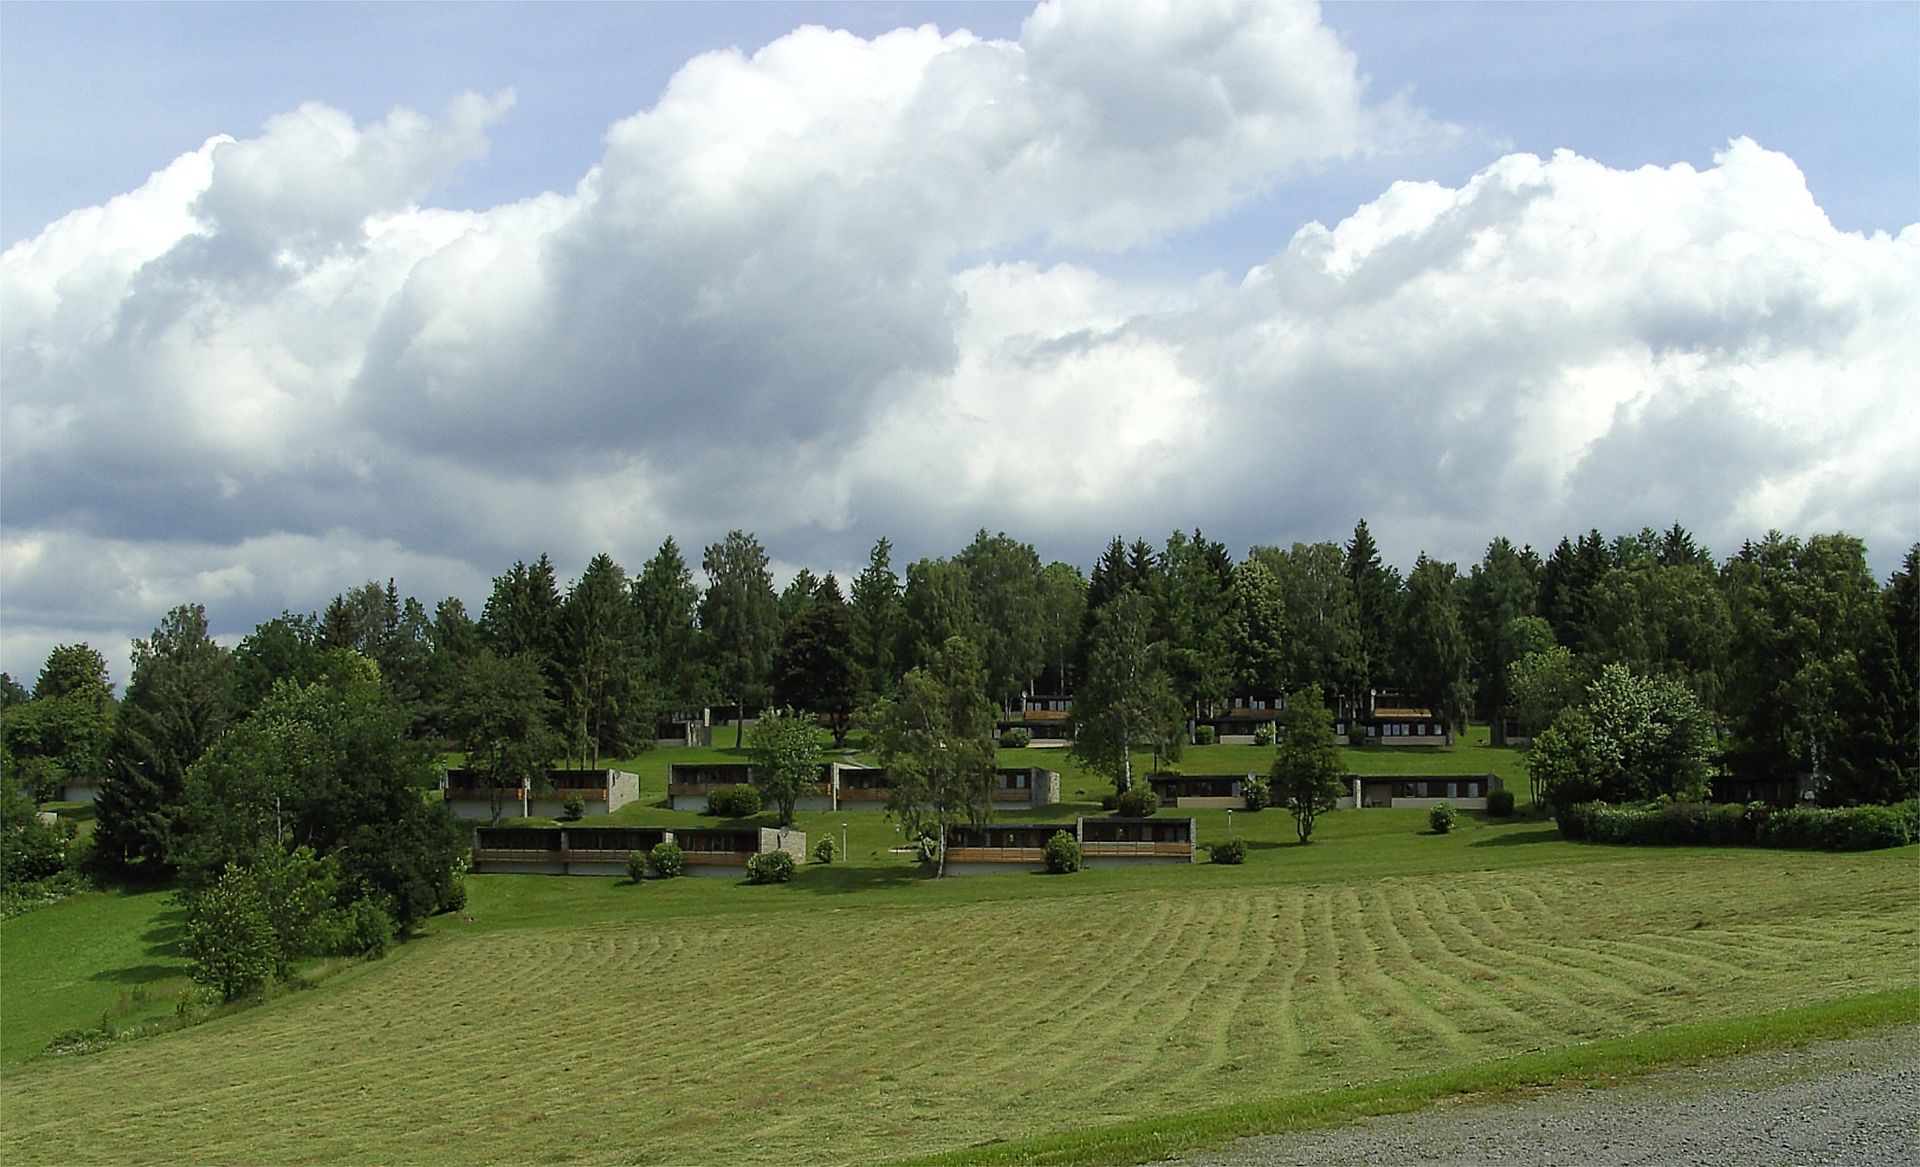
x=1144, y=1140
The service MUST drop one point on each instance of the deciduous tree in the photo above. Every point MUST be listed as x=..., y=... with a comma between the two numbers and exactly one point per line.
x=1308, y=771
x=786, y=759
x=935, y=741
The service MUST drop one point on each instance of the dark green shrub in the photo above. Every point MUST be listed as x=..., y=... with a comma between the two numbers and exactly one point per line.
x=1265, y=734
x=636, y=865
x=1138, y=802
x=1440, y=818
x=1204, y=735
x=368, y=932
x=1017, y=738
x=823, y=851
x=1109, y=801
x=770, y=867
x=1500, y=803
x=1841, y=828
x=1063, y=854
x=734, y=802
x=230, y=943
x=1230, y=851
x=573, y=809
x=666, y=859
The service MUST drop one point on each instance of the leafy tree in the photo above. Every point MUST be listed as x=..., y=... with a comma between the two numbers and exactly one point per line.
x=936, y=606
x=1632, y=739
x=61, y=733
x=786, y=759
x=1063, y=607
x=1670, y=620
x=665, y=601
x=1003, y=581
x=877, y=619
x=1567, y=580
x=502, y=717
x=1877, y=755
x=1308, y=770
x=30, y=850
x=230, y=942
x=1258, y=634
x=1542, y=684
x=1195, y=611
x=1126, y=701
x=1434, y=652
x=935, y=741
x=178, y=703
x=1501, y=590
x=1802, y=615
x=285, y=648
x=1323, y=641
x=12, y=692
x=739, y=620
x=812, y=667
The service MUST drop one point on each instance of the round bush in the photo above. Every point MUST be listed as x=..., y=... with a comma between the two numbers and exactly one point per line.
x=1265, y=734
x=1231, y=851
x=823, y=851
x=1258, y=794
x=637, y=865
x=1063, y=854
x=770, y=867
x=734, y=802
x=1440, y=818
x=1138, y=802
x=1204, y=735
x=1500, y=803
x=1016, y=738
x=573, y=809
x=666, y=859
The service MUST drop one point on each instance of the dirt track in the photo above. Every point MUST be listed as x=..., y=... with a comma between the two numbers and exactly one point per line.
x=1854, y=1101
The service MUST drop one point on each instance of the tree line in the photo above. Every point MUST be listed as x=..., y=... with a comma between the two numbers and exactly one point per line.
x=1801, y=661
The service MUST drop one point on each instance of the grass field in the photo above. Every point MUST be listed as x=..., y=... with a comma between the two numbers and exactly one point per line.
x=866, y=1013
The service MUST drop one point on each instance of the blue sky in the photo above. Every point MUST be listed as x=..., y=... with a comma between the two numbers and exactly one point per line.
x=1460, y=269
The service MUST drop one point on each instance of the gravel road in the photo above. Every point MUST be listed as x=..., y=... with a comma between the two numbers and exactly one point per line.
x=1853, y=1101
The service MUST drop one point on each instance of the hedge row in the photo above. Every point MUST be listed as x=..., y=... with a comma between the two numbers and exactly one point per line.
x=1843, y=828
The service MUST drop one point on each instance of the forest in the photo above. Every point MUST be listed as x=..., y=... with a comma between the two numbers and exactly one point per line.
x=1799, y=661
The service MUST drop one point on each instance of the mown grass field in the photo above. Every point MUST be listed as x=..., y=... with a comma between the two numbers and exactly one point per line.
x=865, y=1013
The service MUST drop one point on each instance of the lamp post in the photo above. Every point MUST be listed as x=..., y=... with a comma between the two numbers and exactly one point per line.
x=1229, y=822
x=845, y=855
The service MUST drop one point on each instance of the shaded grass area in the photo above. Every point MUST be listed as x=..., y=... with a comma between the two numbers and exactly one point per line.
x=1146, y=1140
x=98, y=955
x=587, y=1020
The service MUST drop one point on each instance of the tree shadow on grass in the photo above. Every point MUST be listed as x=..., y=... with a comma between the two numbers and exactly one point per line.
x=138, y=974
x=834, y=879
x=169, y=929
x=1519, y=838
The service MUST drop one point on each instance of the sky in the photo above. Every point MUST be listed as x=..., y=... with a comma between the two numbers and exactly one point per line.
x=296, y=296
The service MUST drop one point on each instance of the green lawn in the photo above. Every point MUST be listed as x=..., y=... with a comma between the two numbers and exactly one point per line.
x=101, y=954
x=865, y=1012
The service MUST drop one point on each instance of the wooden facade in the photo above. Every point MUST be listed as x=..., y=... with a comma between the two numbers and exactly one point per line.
x=469, y=796
x=1104, y=842
x=576, y=850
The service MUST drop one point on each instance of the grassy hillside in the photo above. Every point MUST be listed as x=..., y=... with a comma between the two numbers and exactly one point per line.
x=865, y=1013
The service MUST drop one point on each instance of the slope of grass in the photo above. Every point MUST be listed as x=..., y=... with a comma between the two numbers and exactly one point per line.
x=111, y=955
x=586, y=1020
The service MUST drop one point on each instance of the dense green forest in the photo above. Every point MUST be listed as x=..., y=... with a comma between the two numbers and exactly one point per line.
x=1802, y=660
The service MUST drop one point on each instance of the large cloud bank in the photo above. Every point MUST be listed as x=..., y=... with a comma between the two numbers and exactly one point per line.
x=799, y=295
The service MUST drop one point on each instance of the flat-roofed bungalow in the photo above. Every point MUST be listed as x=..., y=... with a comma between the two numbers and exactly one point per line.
x=1419, y=791
x=604, y=791
x=725, y=850
x=1406, y=725
x=862, y=787
x=689, y=783
x=1028, y=786
x=1117, y=842
x=561, y=850
x=999, y=847
x=1047, y=718
x=1200, y=791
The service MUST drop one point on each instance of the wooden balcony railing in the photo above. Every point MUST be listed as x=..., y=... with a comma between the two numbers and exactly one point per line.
x=863, y=794
x=996, y=855
x=1012, y=794
x=1120, y=849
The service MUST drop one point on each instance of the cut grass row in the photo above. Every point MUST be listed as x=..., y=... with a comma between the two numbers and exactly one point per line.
x=892, y=1022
